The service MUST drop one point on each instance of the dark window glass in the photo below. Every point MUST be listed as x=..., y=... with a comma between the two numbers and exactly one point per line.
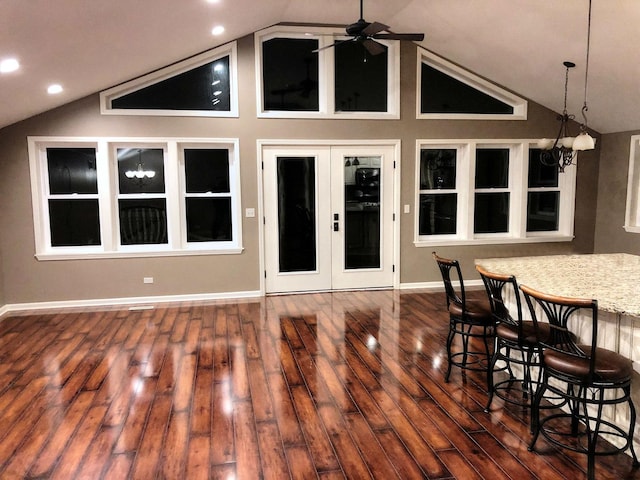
x=204, y=88
x=491, y=213
x=143, y=221
x=437, y=169
x=72, y=170
x=290, y=74
x=74, y=222
x=207, y=170
x=441, y=93
x=208, y=219
x=360, y=79
x=541, y=175
x=438, y=214
x=492, y=168
x=542, y=211
x=141, y=170
x=296, y=214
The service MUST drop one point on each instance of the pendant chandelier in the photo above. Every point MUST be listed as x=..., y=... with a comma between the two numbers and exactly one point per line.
x=562, y=151
x=140, y=173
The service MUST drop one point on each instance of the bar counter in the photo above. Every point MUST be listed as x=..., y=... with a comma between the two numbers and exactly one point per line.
x=612, y=279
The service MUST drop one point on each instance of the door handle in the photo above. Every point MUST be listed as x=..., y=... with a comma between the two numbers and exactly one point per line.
x=336, y=222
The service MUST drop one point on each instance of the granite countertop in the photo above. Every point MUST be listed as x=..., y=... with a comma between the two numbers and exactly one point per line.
x=612, y=279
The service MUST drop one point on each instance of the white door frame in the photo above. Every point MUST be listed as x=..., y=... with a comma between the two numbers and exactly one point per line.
x=395, y=144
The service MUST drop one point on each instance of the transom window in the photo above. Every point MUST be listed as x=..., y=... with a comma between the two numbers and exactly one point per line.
x=303, y=75
x=446, y=91
x=490, y=192
x=113, y=197
x=204, y=85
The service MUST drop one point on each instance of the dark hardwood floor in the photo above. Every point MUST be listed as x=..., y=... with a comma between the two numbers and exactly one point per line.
x=331, y=385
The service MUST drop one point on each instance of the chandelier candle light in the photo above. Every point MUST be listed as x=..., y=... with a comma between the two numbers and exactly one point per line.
x=562, y=150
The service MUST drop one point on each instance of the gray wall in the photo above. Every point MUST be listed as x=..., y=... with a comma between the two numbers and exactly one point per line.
x=24, y=279
x=610, y=236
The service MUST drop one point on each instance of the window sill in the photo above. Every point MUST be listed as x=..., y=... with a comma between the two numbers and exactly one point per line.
x=138, y=254
x=632, y=229
x=492, y=241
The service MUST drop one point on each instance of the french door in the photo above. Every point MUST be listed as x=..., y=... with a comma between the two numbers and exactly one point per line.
x=328, y=217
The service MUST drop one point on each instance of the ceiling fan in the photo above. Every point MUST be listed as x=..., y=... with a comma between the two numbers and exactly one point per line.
x=367, y=33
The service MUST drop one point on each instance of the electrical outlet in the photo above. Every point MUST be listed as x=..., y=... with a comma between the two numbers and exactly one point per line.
x=147, y=280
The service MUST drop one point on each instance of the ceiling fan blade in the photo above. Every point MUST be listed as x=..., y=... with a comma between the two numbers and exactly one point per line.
x=373, y=47
x=337, y=42
x=416, y=37
x=374, y=28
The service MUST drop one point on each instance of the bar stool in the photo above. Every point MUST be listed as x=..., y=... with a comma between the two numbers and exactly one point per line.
x=516, y=343
x=590, y=378
x=468, y=319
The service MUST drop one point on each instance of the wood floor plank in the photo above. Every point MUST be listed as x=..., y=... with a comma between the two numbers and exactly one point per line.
x=147, y=462
x=61, y=433
x=322, y=385
x=199, y=458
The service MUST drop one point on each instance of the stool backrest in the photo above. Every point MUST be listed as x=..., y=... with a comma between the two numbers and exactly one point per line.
x=497, y=285
x=446, y=266
x=559, y=310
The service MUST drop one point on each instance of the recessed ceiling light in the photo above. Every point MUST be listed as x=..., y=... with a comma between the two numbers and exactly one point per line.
x=54, y=88
x=213, y=1
x=9, y=65
x=217, y=30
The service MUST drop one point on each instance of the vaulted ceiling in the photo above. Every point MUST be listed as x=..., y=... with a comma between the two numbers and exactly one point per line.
x=87, y=46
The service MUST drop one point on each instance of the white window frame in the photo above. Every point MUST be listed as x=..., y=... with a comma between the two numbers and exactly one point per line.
x=519, y=104
x=632, y=213
x=230, y=50
x=326, y=75
x=107, y=171
x=518, y=188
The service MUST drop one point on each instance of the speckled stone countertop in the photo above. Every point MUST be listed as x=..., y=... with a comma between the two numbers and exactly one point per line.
x=612, y=279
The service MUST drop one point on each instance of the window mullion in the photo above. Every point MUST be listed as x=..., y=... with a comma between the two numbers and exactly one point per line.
x=518, y=169
x=465, y=184
x=106, y=172
x=173, y=196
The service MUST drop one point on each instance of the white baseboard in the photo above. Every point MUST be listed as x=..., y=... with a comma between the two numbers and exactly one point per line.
x=439, y=286
x=136, y=303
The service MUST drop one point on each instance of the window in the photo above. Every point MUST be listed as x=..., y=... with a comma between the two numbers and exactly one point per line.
x=490, y=191
x=446, y=91
x=135, y=197
x=72, y=196
x=632, y=216
x=302, y=74
x=205, y=85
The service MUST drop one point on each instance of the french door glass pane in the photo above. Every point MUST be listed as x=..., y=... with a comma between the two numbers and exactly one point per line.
x=143, y=221
x=437, y=168
x=438, y=214
x=360, y=79
x=491, y=212
x=362, y=213
x=492, y=168
x=296, y=214
x=72, y=170
x=543, y=211
x=74, y=222
x=290, y=74
x=208, y=219
x=207, y=170
x=140, y=170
